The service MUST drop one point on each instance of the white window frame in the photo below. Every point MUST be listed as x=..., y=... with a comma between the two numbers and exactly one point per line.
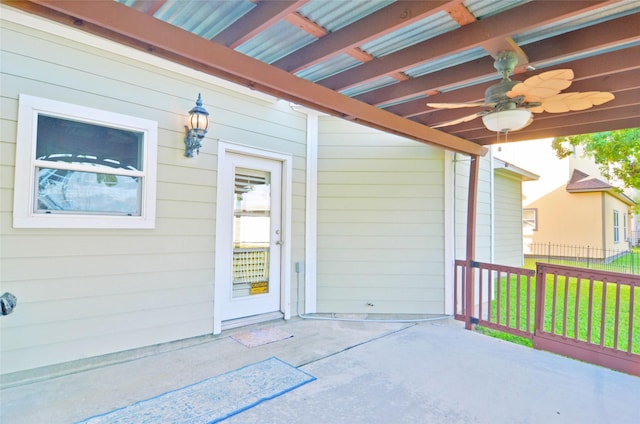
x=24, y=214
x=532, y=222
x=616, y=226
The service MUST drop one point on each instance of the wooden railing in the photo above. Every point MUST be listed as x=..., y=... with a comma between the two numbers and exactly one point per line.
x=590, y=315
x=494, y=305
x=586, y=314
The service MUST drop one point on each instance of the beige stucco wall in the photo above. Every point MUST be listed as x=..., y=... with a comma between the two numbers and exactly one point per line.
x=612, y=204
x=569, y=218
x=580, y=219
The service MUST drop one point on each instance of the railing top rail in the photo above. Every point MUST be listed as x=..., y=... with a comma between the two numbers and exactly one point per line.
x=494, y=267
x=506, y=268
x=571, y=271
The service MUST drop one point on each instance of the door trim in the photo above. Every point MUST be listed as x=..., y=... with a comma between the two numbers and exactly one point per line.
x=220, y=272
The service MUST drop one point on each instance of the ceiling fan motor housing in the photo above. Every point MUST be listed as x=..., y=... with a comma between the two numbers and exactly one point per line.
x=497, y=94
x=505, y=63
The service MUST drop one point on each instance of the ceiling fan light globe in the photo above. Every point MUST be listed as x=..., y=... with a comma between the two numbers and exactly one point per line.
x=507, y=120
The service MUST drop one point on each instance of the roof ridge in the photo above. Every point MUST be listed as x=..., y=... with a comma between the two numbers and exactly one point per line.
x=581, y=181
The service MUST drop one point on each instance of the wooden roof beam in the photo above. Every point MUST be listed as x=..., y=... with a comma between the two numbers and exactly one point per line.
x=263, y=15
x=498, y=26
x=150, y=7
x=615, y=32
x=126, y=25
x=463, y=16
x=607, y=65
x=379, y=23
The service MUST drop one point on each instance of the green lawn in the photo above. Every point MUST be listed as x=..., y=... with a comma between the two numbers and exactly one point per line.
x=504, y=336
x=629, y=263
x=577, y=317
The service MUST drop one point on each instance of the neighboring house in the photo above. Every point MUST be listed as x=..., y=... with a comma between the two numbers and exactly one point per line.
x=585, y=212
x=635, y=221
x=112, y=239
x=571, y=205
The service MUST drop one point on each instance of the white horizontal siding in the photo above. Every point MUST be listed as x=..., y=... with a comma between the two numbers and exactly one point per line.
x=380, y=222
x=461, y=192
x=484, y=214
x=88, y=292
x=484, y=230
x=508, y=220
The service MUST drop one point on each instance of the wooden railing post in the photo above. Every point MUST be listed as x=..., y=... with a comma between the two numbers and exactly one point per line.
x=469, y=296
x=538, y=316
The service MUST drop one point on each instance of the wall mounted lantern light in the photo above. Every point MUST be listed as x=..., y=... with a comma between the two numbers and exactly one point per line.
x=196, y=128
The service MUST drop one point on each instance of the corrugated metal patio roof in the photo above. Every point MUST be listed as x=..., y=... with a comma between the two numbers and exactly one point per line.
x=394, y=56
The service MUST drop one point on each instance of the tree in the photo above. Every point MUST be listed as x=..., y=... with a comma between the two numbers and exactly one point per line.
x=617, y=154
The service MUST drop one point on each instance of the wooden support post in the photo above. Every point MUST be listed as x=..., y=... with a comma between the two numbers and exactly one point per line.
x=472, y=201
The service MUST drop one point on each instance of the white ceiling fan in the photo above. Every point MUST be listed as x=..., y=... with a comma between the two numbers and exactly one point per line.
x=511, y=104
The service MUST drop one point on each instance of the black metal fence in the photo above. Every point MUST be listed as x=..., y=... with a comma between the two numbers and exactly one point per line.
x=626, y=261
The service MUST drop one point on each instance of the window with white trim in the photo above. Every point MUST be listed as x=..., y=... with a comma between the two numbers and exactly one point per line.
x=79, y=167
x=616, y=226
x=530, y=218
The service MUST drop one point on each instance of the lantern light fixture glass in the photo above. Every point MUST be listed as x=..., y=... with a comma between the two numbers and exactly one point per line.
x=198, y=123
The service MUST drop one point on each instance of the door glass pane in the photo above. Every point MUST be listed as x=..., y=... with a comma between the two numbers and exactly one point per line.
x=251, y=232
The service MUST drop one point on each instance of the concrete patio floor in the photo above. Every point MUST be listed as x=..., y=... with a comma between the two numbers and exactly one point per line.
x=367, y=372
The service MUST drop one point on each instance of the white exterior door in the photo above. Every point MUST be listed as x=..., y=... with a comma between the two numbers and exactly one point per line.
x=250, y=235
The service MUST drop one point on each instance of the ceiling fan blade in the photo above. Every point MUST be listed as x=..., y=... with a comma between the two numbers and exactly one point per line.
x=459, y=105
x=543, y=85
x=567, y=102
x=461, y=120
